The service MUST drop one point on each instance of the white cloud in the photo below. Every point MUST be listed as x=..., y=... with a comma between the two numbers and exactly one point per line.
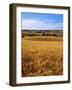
x=40, y=25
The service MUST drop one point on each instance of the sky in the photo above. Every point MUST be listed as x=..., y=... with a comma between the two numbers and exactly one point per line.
x=41, y=21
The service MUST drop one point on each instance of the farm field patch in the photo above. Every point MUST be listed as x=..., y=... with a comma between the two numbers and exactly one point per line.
x=42, y=56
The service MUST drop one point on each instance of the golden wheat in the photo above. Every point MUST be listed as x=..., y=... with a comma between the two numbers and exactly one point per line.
x=42, y=56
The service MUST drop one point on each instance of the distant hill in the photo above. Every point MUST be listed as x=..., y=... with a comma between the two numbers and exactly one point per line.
x=41, y=30
x=42, y=33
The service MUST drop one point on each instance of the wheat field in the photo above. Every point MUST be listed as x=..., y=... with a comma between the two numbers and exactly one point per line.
x=42, y=56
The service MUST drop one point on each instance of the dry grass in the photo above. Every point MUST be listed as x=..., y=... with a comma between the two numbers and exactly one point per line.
x=42, y=56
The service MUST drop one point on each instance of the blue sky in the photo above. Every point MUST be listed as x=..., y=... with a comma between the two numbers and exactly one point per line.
x=41, y=21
